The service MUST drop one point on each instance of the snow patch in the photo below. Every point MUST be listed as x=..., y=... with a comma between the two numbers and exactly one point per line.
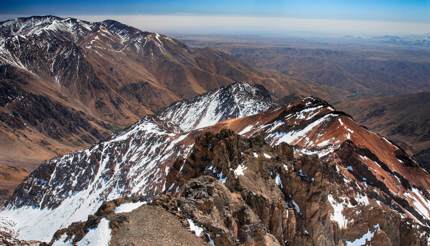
x=296, y=207
x=63, y=241
x=246, y=129
x=337, y=215
x=421, y=204
x=294, y=136
x=128, y=207
x=278, y=180
x=99, y=236
x=195, y=228
x=363, y=240
x=267, y=156
x=240, y=170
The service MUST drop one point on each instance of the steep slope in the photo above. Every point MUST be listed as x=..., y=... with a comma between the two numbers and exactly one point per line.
x=234, y=101
x=405, y=119
x=339, y=182
x=135, y=161
x=67, y=83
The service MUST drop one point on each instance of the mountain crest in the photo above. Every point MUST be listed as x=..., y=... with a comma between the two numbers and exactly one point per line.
x=232, y=101
x=281, y=157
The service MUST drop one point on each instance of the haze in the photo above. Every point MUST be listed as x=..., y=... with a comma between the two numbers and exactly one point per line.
x=245, y=17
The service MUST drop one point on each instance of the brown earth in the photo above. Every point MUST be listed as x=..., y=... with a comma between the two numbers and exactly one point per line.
x=405, y=119
x=9, y=178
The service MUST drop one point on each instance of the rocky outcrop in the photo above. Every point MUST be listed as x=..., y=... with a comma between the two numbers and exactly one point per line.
x=248, y=193
x=237, y=191
x=333, y=180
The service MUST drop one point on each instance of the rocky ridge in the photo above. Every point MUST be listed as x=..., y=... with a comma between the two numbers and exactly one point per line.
x=297, y=174
x=106, y=74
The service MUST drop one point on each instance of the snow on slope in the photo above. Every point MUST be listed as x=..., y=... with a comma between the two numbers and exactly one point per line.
x=53, y=39
x=128, y=207
x=69, y=188
x=99, y=236
x=233, y=101
x=39, y=25
x=314, y=128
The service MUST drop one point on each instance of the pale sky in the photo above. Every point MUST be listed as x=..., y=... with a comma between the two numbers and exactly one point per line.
x=215, y=24
x=352, y=17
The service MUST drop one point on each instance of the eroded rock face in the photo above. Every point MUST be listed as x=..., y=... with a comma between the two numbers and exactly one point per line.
x=328, y=178
x=266, y=192
x=240, y=191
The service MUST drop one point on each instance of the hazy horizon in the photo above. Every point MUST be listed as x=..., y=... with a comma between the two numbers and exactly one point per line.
x=328, y=17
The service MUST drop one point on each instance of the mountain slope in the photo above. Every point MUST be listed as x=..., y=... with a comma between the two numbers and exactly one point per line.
x=236, y=100
x=10, y=176
x=405, y=119
x=105, y=74
x=337, y=182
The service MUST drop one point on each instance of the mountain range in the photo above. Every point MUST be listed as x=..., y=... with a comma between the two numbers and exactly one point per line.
x=143, y=140
x=93, y=79
x=255, y=173
x=384, y=88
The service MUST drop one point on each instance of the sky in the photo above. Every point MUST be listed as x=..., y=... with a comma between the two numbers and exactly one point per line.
x=353, y=17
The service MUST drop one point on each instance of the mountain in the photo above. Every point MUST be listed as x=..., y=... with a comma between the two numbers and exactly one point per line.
x=66, y=84
x=241, y=99
x=298, y=174
x=409, y=41
x=405, y=119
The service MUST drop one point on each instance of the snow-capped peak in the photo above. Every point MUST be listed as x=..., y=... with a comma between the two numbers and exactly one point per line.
x=38, y=25
x=232, y=101
x=139, y=161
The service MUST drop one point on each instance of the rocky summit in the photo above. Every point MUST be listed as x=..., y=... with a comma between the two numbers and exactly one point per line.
x=218, y=170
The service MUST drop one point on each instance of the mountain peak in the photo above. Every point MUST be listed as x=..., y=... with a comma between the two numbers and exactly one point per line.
x=231, y=101
x=40, y=25
x=277, y=157
x=230, y=163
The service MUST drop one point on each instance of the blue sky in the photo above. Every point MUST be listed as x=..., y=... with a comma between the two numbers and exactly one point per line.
x=397, y=11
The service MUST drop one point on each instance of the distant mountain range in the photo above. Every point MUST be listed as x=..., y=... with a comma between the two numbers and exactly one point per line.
x=412, y=40
x=355, y=72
